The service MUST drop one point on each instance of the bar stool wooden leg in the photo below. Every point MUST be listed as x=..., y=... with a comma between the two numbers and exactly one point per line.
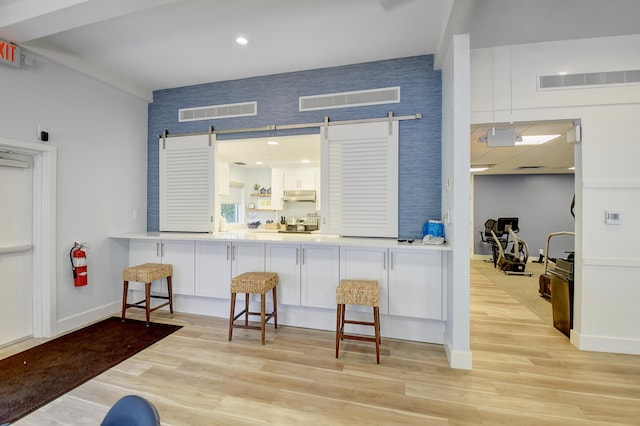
x=338, y=327
x=263, y=306
x=125, y=291
x=147, y=296
x=231, y=315
x=246, y=309
x=169, y=287
x=376, y=320
x=275, y=308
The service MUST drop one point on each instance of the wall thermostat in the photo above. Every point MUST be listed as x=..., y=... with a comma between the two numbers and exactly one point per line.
x=613, y=218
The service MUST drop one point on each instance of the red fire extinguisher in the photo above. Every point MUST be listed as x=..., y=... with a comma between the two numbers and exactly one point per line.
x=78, y=264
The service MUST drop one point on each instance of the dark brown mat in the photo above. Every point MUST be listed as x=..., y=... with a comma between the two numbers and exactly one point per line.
x=37, y=376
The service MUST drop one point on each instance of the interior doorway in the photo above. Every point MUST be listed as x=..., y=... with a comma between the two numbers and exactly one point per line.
x=533, y=182
x=43, y=244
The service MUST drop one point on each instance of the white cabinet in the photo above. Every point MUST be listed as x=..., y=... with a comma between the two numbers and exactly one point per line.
x=277, y=191
x=284, y=259
x=320, y=275
x=247, y=257
x=178, y=253
x=366, y=263
x=217, y=262
x=213, y=269
x=415, y=283
x=308, y=274
x=300, y=178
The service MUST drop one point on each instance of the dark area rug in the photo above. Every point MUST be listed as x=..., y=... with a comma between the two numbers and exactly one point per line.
x=37, y=376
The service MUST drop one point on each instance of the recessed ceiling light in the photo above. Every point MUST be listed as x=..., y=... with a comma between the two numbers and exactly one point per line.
x=242, y=41
x=536, y=139
x=476, y=169
x=572, y=168
x=259, y=162
x=306, y=161
x=272, y=143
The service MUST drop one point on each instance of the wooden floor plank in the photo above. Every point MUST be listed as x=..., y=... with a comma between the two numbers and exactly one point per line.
x=525, y=372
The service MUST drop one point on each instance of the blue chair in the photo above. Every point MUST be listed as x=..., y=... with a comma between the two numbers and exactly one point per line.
x=132, y=410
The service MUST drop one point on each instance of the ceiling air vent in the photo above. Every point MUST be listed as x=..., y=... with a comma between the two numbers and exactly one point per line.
x=590, y=79
x=218, y=111
x=387, y=95
x=530, y=167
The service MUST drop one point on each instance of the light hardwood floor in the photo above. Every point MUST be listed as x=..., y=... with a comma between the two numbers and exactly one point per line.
x=524, y=372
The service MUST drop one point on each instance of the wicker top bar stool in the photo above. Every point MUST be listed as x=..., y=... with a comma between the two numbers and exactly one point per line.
x=147, y=273
x=254, y=283
x=358, y=292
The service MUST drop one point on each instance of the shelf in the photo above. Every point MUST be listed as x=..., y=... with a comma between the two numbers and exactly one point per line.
x=260, y=195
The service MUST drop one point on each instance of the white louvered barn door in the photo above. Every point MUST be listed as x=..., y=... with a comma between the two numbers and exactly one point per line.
x=360, y=180
x=187, y=183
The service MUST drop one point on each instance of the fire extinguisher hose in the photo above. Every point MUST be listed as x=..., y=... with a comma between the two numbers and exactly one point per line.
x=73, y=268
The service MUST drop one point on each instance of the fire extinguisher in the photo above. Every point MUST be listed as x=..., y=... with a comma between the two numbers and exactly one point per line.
x=78, y=264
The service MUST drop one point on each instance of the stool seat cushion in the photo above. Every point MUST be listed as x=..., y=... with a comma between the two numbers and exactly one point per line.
x=147, y=272
x=358, y=292
x=254, y=282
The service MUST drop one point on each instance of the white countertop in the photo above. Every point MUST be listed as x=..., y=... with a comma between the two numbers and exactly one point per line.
x=275, y=236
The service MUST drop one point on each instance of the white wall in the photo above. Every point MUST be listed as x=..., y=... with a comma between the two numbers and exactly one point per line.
x=456, y=195
x=101, y=136
x=607, y=175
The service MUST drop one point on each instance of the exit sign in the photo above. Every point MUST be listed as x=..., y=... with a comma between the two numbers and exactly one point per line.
x=9, y=53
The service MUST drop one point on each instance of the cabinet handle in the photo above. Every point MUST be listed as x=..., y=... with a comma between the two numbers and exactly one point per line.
x=161, y=249
x=233, y=253
x=157, y=249
x=384, y=261
x=391, y=261
x=227, y=252
x=303, y=256
x=297, y=254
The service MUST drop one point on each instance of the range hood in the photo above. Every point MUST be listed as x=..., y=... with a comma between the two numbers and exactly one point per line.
x=300, y=195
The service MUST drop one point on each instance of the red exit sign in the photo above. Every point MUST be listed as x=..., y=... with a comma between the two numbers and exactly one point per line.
x=9, y=53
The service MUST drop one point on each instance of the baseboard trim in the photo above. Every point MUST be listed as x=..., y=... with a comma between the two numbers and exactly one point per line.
x=462, y=360
x=605, y=344
x=82, y=319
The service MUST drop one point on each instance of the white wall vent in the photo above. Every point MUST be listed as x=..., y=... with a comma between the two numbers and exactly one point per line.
x=218, y=111
x=589, y=79
x=386, y=95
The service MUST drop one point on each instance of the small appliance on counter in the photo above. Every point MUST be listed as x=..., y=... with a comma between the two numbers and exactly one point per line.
x=304, y=225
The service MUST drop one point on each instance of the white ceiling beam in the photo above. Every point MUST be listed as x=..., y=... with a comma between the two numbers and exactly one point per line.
x=25, y=20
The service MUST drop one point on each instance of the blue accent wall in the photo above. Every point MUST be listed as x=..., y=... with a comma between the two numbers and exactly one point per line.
x=277, y=97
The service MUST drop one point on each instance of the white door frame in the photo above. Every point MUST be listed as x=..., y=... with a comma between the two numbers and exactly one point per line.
x=44, y=232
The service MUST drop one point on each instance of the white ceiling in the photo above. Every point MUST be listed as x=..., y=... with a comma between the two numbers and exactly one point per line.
x=143, y=45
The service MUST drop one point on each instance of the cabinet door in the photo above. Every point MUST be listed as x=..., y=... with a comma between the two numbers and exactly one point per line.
x=284, y=259
x=300, y=178
x=213, y=269
x=143, y=251
x=181, y=254
x=365, y=263
x=320, y=275
x=306, y=178
x=247, y=257
x=415, y=284
x=277, y=188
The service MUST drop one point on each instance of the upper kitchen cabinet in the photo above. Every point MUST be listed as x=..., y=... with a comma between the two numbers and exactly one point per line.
x=291, y=179
x=300, y=178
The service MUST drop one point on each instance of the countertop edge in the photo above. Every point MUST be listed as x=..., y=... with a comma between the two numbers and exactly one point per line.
x=282, y=238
